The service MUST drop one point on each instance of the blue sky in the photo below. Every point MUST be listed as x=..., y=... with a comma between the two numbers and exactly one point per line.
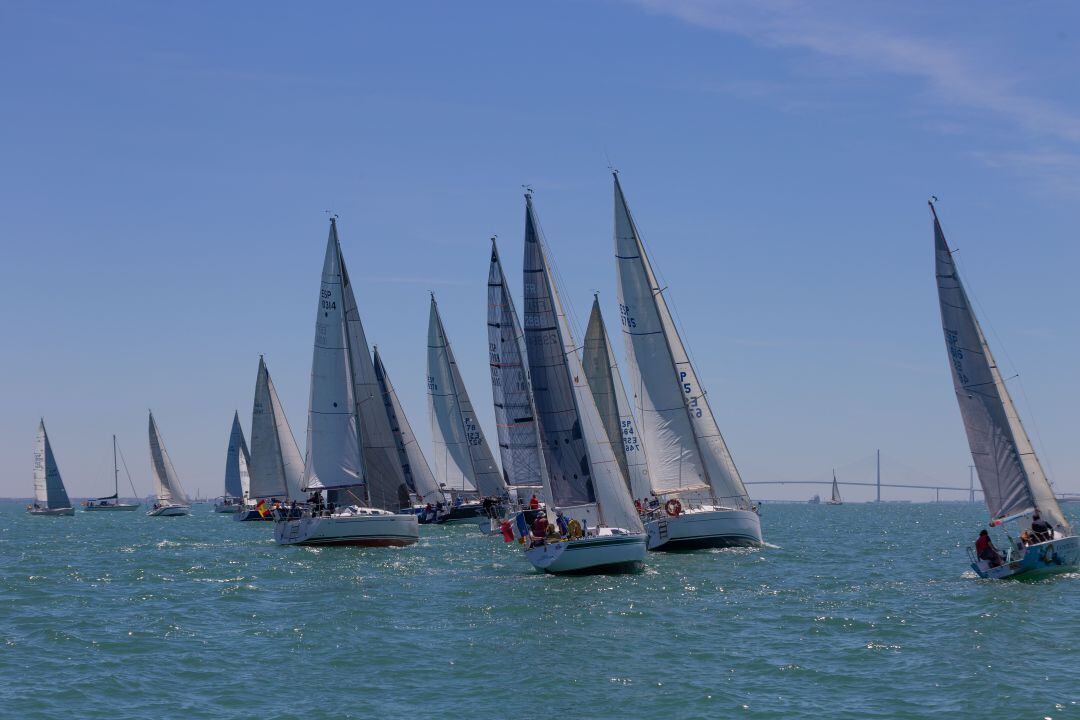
x=167, y=167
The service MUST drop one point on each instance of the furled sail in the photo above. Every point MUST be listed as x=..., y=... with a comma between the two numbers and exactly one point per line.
x=581, y=466
x=515, y=417
x=413, y=463
x=236, y=457
x=49, y=489
x=685, y=450
x=334, y=457
x=276, y=467
x=165, y=478
x=605, y=382
x=463, y=459
x=1011, y=476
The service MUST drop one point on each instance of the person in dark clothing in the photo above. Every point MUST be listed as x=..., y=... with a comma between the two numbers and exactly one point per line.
x=1040, y=529
x=540, y=526
x=985, y=550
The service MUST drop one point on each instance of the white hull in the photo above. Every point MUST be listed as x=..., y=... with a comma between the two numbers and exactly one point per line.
x=610, y=551
x=363, y=526
x=222, y=508
x=170, y=511
x=704, y=528
x=51, y=512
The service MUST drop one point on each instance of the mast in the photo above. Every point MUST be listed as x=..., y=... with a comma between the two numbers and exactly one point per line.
x=879, y=476
x=116, y=470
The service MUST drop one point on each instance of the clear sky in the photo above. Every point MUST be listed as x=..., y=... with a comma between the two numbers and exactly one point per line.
x=166, y=168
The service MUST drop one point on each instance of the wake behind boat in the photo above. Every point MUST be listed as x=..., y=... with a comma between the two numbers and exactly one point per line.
x=112, y=502
x=171, y=501
x=1016, y=489
x=50, y=496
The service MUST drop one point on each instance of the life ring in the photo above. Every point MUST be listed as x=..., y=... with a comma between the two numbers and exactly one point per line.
x=673, y=507
x=574, y=530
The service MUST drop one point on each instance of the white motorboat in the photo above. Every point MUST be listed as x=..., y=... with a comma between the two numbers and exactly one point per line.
x=171, y=501
x=50, y=496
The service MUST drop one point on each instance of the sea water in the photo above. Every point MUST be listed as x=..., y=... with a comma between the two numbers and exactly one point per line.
x=856, y=611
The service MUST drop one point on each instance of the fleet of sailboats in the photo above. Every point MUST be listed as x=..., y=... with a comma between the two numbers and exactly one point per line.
x=171, y=501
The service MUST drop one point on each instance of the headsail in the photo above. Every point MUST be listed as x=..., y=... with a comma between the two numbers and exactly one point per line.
x=463, y=459
x=276, y=466
x=236, y=457
x=686, y=451
x=1011, y=476
x=49, y=488
x=605, y=382
x=166, y=481
x=413, y=463
x=515, y=416
x=581, y=466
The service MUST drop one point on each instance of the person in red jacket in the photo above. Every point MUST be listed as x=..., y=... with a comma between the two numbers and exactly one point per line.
x=534, y=503
x=985, y=550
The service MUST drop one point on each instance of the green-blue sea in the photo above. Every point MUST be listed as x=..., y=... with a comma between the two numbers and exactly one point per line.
x=857, y=611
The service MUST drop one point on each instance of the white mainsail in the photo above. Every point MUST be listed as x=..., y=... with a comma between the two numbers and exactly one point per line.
x=49, y=488
x=276, y=466
x=236, y=457
x=606, y=384
x=515, y=416
x=166, y=480
x=685, y=450
x=415, y=466
x=581, y=466
x=1011, y=476
x=463, y=459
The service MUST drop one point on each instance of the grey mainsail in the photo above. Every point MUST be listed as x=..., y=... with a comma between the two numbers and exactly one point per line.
x=276, y=466
x=236, y=455
x=515, y=416
x=166, y=481
x=835, y=489
x=1011, y=476
x=49, y=488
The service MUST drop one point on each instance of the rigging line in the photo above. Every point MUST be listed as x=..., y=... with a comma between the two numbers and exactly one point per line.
x=127, y=472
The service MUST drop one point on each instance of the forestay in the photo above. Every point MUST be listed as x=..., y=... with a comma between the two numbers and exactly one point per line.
x=49, y=488
x=515, y=417
x=685, y=450
x=236, y=457
x=276, y=467
x=1011, y=476
x=165, y=478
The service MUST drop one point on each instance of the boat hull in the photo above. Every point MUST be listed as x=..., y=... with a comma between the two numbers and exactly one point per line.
x=380, y=530
x=121, y=507
x=169, y=511
x=1048, y=558
x=251, y=515
x=51, y=512
x=704, y=528
x=221, y=508
x=606, y=553
x=467, y=512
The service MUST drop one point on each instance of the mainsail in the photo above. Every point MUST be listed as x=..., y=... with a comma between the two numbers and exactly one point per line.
x=276, y=466
x=581, y=466
x=165, y=478
x=1011, y=476
x=605, y=382
x=835, y=489
x=515, y=416
x=413, y=463
x=686, y=451
x=463, y=459
x=49, y=489
x=237, y=460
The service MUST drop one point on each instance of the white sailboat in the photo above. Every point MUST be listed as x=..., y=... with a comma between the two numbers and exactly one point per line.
x=1015, y=487
x=50, y=496
x=275, y=465
x=511, y=390
x=464, y=466
x=835, y=499
x=335, y=448
x=112, y=502
x=237, y=478
x=583, y=481
x=704, y=501
x=170, y=499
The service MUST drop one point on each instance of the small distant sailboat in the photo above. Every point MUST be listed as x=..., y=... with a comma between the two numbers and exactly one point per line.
x=340, y=382
x=171, y=500
x=835, y=499
x=583, y=480
x=50, y=497
x=112, y=502
x=705, y=503
x=1014, y=485
x=237, y=478
x=275, y=467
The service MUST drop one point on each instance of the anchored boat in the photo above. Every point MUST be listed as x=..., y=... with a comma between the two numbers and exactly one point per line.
x=112, y=502
x=237, y=478
x=1015, y=487
x=700, y=497
x=50, y=496
x=171, y=501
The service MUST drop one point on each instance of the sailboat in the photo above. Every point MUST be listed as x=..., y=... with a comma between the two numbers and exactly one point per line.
x=112, y=502
x=171, y=500
x=237, y=478
x=365, y=478
x=583, y=482
x=691, y=471
x=835, y=499
x=414, y=465
x=50, y=497
x=464, y=466
x=1015, y=487
x=511, y=390
x=275, y=466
